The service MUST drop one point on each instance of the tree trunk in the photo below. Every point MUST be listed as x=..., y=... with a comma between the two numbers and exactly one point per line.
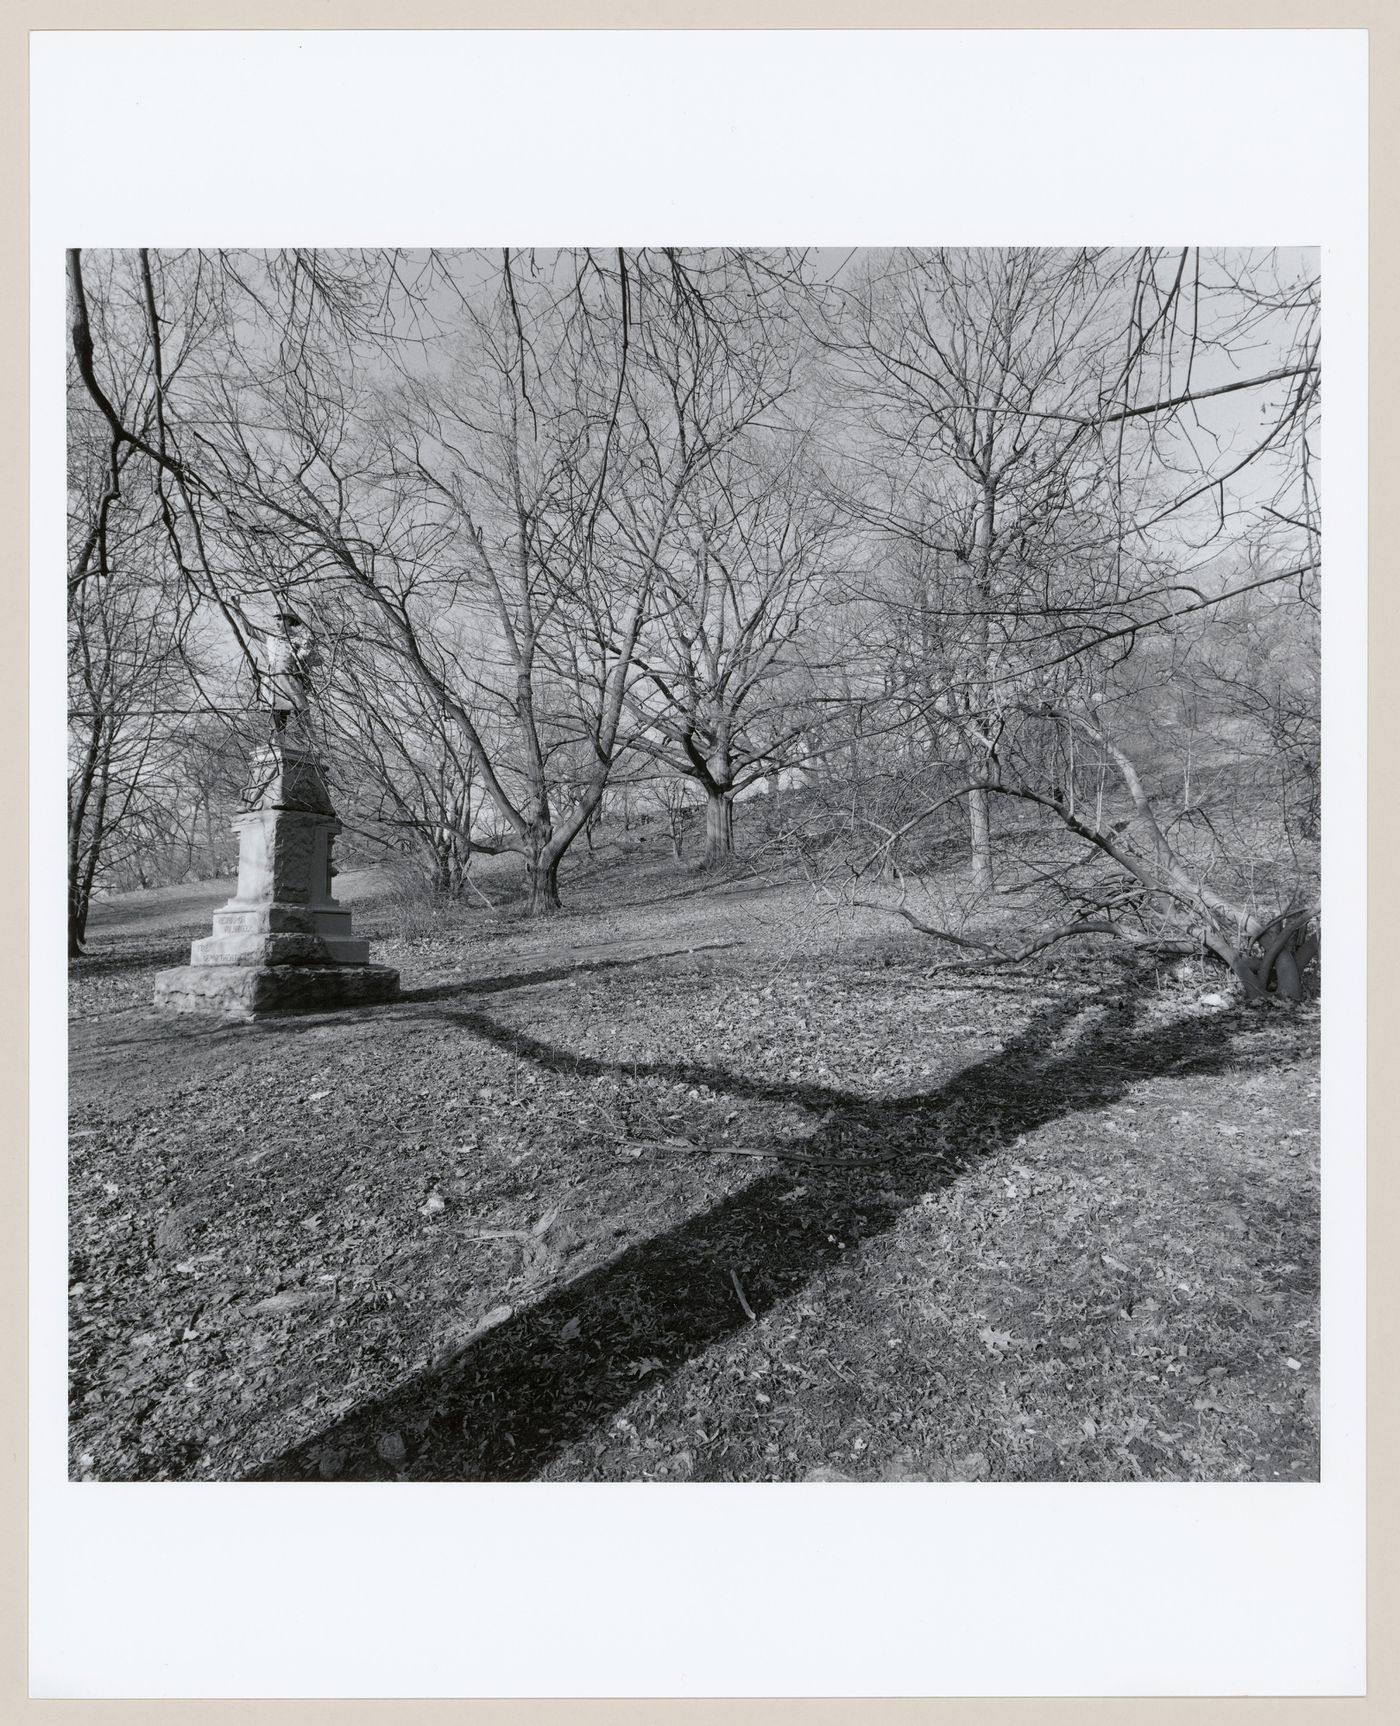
x=979, y=817
x=978, y=803
x=1287, y=982
x=77, y=913
x=542, y=873
x=78, y=897
x=442, y=872
x=80, y=889
x=451, y=861
x=77, y=923
x=719, y=827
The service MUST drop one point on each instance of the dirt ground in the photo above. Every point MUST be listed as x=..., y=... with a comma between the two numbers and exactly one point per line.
x=692, y=1182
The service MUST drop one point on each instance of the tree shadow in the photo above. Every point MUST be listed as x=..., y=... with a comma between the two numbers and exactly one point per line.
x=473, y=986
x=163, y=1027
x=551, y=1373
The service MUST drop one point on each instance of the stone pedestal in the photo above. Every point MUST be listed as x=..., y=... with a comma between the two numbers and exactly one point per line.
x=282, y=943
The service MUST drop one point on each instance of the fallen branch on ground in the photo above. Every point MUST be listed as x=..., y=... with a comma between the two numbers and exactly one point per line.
x=743, y=1298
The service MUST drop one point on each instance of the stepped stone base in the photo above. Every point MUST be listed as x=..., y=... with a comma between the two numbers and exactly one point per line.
x=279, y=949
x=257, y=991
x=282, y=944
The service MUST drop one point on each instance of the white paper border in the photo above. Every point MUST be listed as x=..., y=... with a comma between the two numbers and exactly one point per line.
x=856, y=138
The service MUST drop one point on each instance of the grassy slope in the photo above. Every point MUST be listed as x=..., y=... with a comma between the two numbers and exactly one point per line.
x=1066, y=1227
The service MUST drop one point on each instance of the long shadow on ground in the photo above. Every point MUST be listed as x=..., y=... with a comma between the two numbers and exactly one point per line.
x=580, y=967
x=521, y=1393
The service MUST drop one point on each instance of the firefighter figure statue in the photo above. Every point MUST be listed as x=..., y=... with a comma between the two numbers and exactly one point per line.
x=286, y=660
x=283, y=943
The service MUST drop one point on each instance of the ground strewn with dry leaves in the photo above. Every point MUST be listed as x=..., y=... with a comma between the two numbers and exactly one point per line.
x=690, y=1184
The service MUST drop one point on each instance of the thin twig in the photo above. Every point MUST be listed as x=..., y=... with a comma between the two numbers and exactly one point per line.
x=743, y=1299
x=485, y=899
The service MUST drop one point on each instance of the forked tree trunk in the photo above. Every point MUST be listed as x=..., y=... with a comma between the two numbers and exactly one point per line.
x=1286, y=951
x=719, y=828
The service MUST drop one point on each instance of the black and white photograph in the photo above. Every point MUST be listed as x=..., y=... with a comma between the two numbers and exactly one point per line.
x=698, y=1008
x=694, y=864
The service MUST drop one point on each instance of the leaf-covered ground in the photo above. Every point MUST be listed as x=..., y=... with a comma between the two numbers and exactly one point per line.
x=1058, y=1226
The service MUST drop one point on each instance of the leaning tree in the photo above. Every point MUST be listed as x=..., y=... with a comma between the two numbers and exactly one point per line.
x=1084, y=454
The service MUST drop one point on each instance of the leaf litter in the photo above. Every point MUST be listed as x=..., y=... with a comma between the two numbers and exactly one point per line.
x=1010, y=1245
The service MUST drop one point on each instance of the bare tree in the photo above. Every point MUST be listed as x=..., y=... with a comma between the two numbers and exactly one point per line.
x=131, y=666
x=1034, y=532
x=503, y=526
x=406, y=777
x=1035, y=437
x=674, y=795
x=731, y=680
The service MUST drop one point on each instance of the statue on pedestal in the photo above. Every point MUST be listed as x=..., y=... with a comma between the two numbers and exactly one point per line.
x=282, y=942
x=286, y=659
